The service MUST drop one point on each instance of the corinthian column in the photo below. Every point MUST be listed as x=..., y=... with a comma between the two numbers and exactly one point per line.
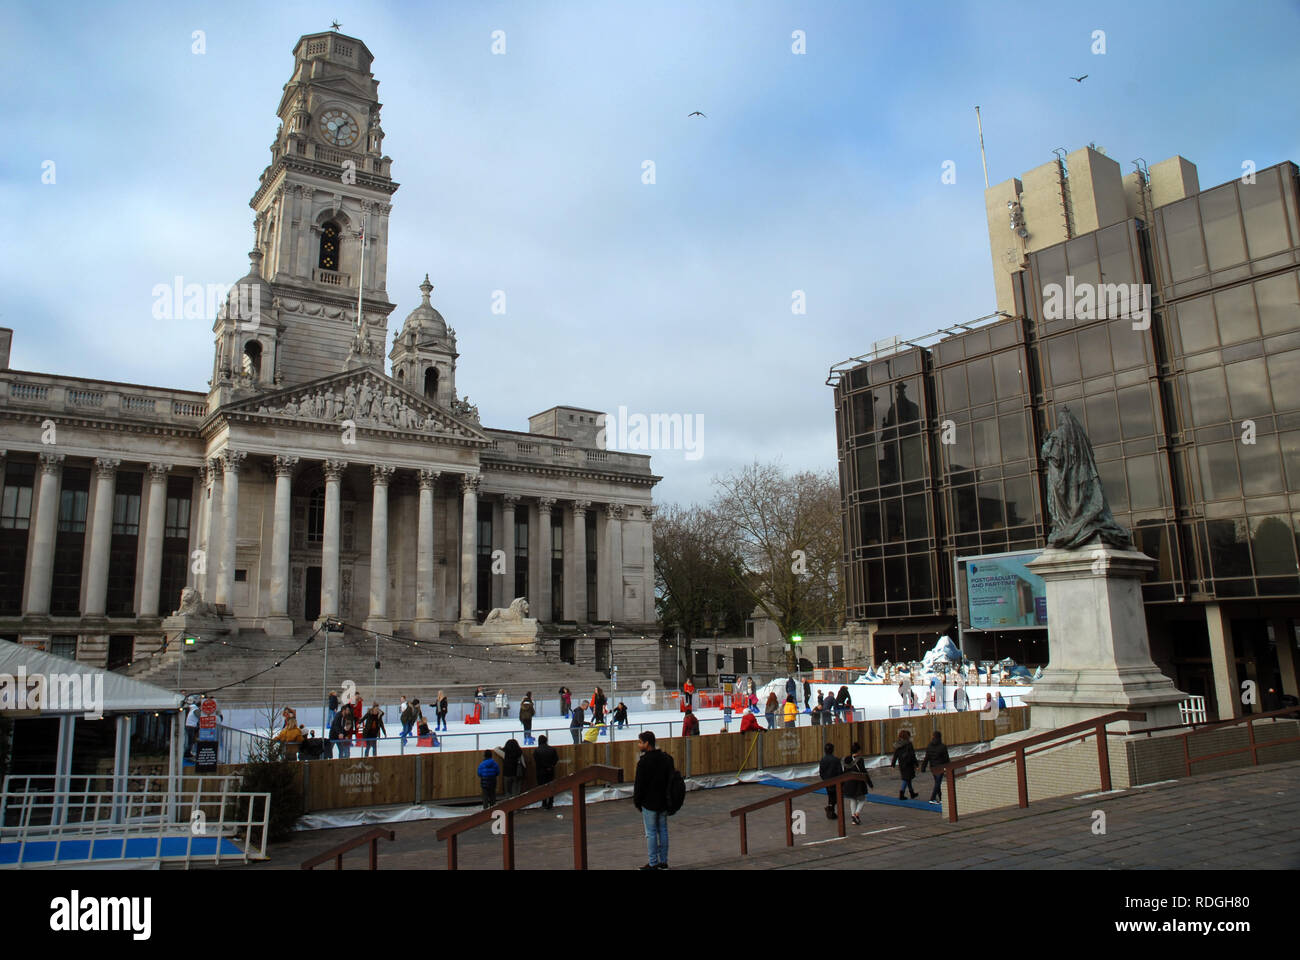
x=230, y=463
x=424, y=595
x=101, y=534
x=508, y=504
x=614, y=557
x=41, y=537
x=579, y=591
x=381, y=475
x=155, y=521
x=543, y=609
x=468, y=561
x=279, y=622
x=329, y=574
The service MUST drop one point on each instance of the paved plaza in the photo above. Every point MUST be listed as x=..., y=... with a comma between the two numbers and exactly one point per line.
x=1240, y=819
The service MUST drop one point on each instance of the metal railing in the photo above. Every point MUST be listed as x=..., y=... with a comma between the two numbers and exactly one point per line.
x=1017, y=752
x=577, y=782
x=44, y=824
x=787, y=797
x=335, y=853
x=1192, y=710
x=1253, y=747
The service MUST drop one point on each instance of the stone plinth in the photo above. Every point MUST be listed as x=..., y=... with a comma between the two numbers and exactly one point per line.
x=519, y=635
x=1097, y=636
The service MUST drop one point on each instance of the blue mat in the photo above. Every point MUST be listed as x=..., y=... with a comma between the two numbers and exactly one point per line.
x=111, y=848
x=870, y=797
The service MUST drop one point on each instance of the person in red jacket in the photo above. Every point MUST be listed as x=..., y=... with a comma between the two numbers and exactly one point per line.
x=690, y=724
x=749, y=721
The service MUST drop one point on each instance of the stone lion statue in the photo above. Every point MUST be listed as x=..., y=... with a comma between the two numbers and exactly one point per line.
x=192, y=604
x=517, y=612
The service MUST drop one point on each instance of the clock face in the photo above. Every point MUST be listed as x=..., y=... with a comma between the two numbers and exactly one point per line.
x=338, y=128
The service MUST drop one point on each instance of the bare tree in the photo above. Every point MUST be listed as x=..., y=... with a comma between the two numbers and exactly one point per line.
x=785, y=529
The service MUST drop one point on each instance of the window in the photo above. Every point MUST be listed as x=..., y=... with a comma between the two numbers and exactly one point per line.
x=1265, y=216
x=1279, y=305
x=126, y=513
x=1196, y=325
x=1235, y=308
x=1223, y=239
x=16, y=504
x=178, y=518
x=1183, y=239
x=72, y=510
x=431, y=384
x=64, y=646
x=253, y=354
x=316, y=516
x=329, y=247
x=241, y=576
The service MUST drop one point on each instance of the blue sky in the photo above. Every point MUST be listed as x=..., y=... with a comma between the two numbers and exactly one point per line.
x=522, y=173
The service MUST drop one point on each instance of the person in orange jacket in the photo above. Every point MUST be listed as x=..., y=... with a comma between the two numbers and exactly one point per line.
x=690, y=724
x=688, y=690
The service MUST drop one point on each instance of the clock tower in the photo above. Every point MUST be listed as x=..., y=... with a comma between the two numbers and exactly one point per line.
x=325, y=192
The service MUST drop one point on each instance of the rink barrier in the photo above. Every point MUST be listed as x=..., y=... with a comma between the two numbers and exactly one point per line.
x=453, y=776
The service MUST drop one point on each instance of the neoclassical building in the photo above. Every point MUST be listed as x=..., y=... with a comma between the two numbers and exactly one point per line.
x=308, y=481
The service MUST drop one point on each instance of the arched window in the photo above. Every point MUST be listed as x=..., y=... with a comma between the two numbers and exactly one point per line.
x=316, y=516
x=431, y=383
x=253, y=359
x=329, y=247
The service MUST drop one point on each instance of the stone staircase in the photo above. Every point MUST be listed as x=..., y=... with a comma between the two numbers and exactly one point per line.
x=243, y=669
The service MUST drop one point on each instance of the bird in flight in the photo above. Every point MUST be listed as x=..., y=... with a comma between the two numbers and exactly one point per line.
x=334, y=25
x=697, y=114
x=1080, y=79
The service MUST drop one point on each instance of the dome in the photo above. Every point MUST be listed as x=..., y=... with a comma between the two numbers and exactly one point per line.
x=251, y=294
x=424, y=319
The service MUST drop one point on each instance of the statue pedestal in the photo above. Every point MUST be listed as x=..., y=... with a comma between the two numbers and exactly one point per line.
x=518, y=635
x=1097, y=636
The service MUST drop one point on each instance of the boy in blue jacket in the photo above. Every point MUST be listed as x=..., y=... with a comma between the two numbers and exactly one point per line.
x=488, y=771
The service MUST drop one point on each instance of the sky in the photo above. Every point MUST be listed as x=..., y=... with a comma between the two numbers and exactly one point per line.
x=523, y=171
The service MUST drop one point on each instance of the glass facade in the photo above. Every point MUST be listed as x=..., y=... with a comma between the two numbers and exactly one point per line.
x=1192, y=405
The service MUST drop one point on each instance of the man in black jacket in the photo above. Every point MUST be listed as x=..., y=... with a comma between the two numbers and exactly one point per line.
x=650, y=796
x=576, y=723
x=829, y=768
x=546, y=758
x=936, y=756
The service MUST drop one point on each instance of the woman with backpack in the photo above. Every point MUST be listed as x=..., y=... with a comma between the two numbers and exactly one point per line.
x=936, y=755
x=855, y=791
x=526, y=712
x=905, y=760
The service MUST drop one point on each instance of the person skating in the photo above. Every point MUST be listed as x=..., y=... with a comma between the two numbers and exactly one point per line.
x=690, y=724
x=905, y=759
x=546, y=758
x=688, y=691
x=844, y=705
x=441, y=712
x=410, y=713
x=791, y=691
x=855, y=791
x=829, y=768
x=770, y=708
x=576, y=723
x=488, y=771
x=598, y=701
x=620, y=715
x=343, y=731
x=527, y=709
x=790, y=712
x=936, y=755
x=654, y=771
x=566, y=701
x=372, y=728
x=807, y=694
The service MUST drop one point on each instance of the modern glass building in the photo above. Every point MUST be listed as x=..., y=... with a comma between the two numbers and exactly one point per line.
x=1192, y=406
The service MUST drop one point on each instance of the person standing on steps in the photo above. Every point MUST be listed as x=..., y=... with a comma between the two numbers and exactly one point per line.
x=526, y=711
x=654, y=771
x=441, y=712
x=547, y=758
x=905, y=759
x=576, y=723
x=936, y=755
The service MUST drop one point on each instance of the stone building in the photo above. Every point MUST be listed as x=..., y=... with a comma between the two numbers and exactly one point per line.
x=307, y=481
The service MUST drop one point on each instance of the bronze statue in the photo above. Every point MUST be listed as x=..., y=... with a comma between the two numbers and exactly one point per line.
x=1076, y=502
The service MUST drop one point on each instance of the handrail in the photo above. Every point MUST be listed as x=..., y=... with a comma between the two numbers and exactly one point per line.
x=577, y=782
x=335, y=853
x=787, y=797
x=1204, y=725
x=1253, y=747
x=1075, y=731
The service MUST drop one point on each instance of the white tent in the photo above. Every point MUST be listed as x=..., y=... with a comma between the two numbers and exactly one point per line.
x=121, y=694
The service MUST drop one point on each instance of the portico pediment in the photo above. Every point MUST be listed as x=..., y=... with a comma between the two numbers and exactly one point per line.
x=368, y=399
